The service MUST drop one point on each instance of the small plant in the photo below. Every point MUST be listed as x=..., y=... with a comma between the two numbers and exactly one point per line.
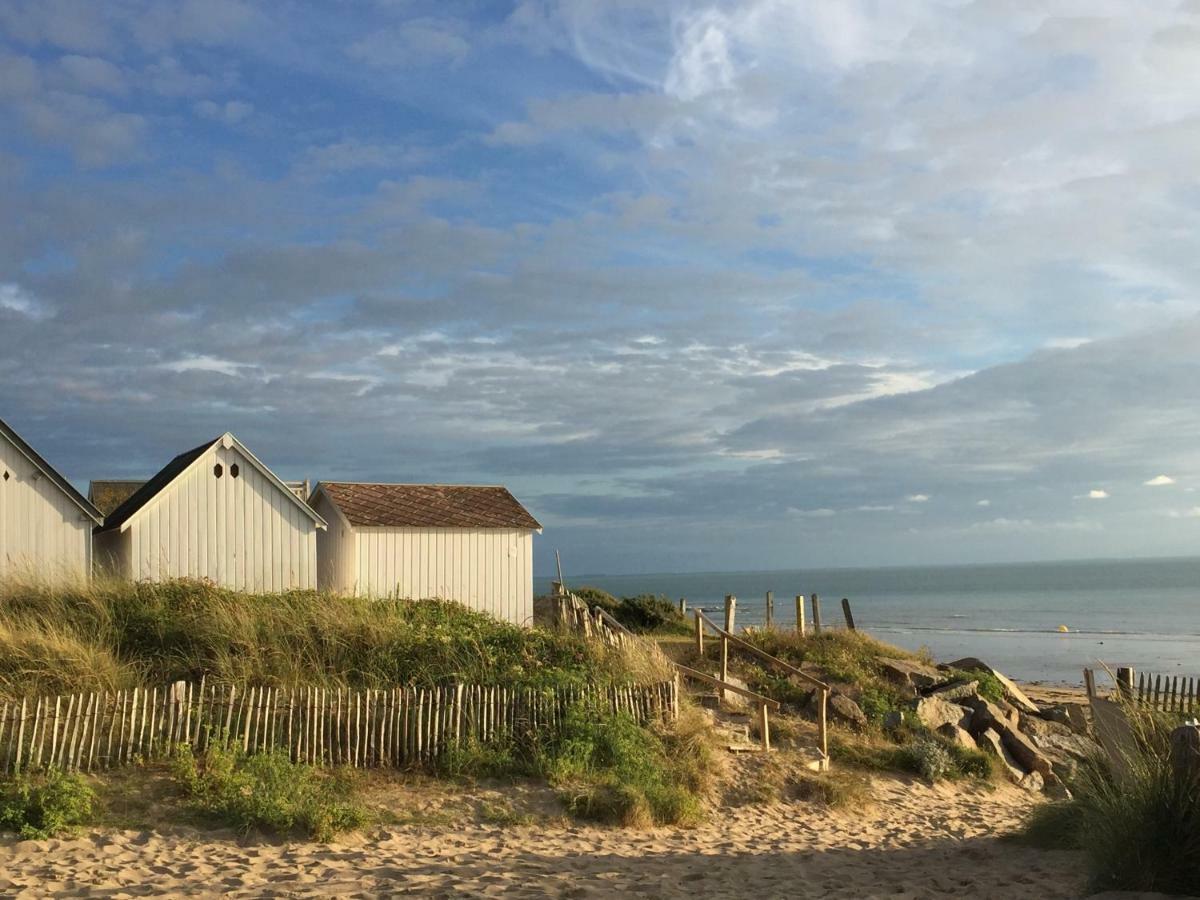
x=40, y=807
x=837, y=790
x=267, y=791
x=930, y=759
x=504, y=815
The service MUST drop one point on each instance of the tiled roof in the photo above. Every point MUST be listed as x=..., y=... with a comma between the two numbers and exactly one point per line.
x=428, y=505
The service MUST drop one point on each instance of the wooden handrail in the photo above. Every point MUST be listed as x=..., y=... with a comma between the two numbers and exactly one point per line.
x=762, y=654
x=745, y=692
x=608, y=619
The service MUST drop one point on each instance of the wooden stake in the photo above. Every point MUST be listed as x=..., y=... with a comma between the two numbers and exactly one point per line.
x=764, y=727
x=816, y=614
x=770, y=609
x=20, y=738
x=846, y=612
x=800, y=614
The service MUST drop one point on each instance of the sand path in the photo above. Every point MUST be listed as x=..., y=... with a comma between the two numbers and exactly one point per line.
x=915, y=841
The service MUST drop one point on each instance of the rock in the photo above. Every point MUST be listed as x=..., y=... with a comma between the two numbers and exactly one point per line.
x=1029, y=756
x=934, y=712
x=1055, y=789
x=958, y=735
x=1032, y=782
x=909, y=672
x=732, y=700
x=955, y=691
x=843, y=708
x=989, y=741
x=893, y=718
x=986, y=714
x=1076, y=716
x=1014, y=693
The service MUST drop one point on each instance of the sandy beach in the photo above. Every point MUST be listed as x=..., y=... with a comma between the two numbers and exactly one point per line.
x=913, y=841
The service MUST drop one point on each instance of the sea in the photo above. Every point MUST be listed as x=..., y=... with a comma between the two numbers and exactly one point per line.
x=1041, y=621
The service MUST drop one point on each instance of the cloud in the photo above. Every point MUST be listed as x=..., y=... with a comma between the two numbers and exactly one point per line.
x=917, y=498
x=983, y=502
x=14, y=300
x=1159, y=481
x=231, y=112
x=1097, y=494
x=417, y=43
x=1192, y=513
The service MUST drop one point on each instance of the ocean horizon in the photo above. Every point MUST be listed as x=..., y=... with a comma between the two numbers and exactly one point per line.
x=1143, y=613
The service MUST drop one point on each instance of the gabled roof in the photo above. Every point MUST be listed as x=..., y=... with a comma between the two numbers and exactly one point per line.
x=109, y=493
x=427, y=505
x=123, y=515
x=50, y=472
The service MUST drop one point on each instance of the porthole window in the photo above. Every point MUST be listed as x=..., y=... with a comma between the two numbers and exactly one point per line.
x=233, y=471
x=218, y=470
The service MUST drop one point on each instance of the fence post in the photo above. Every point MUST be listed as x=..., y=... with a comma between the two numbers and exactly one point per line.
x=770, y=609
x=683, y=606
x=800, y=615
x=1185, y=752
x=846, y=612
x=699, y=633
x=816, y=611
x=1089, y=682
x=764, y=726
x=822, y=731
x=1125, y=682
x=730, y=610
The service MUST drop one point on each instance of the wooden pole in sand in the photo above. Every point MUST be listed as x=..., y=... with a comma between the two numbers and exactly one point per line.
x=770, y=609
x=1125, y=682
x=699, y=633
x=816, y=611
x=764, y=727
x=730, y=610
x=800, y=615
x=846, y=612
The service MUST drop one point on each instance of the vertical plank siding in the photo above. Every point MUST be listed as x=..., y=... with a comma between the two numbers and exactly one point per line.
x=486, y=569
x=395, y=727
x=42, y=531
x=241, y=533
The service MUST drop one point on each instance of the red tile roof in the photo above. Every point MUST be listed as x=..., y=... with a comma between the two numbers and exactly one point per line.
x=428, y=505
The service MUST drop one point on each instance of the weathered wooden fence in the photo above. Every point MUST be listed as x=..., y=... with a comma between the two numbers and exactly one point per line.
x=1169, y=693
x=401, y=726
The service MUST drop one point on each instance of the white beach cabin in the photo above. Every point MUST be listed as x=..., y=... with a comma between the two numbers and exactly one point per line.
x=214, y=512
x=45, y=524
x=468, y=543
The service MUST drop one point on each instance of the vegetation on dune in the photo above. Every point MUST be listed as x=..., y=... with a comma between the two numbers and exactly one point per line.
x=110, y=634
x=42, y=806
x=1140, y=832
x=268, y=792
x=644, y=614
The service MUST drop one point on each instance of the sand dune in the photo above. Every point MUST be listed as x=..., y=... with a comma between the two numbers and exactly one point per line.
x=915, y=841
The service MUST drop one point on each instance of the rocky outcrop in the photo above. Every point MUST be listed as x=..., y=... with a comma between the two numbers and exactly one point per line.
x=916, y=675
x=954, y=691
x=934, y=712
x=1014, y=694
x=989, y=741
x=842, y=708
x=986, y=714
x=958, y=735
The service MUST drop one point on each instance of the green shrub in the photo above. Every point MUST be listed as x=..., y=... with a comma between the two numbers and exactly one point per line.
x=643, y=613
x=269, y=792
x=40, y=807
x=930, y=759
x=610, y=769
x=990, y=687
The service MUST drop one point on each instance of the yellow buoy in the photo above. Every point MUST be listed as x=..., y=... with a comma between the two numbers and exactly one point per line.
x=1063, y=628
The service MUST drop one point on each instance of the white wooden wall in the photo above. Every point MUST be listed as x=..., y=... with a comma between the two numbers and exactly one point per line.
x=337, y=565
x=43, y=533
x=488, y=569
x=242, y=533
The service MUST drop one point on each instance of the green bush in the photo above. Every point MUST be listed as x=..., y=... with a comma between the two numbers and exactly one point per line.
x=40, y=807
x=930, y=759
x=643, y=613
x=269, y=792
x=1138, y=833
x=610, y=769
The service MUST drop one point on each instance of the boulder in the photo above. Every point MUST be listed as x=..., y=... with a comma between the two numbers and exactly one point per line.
x=986, y=714
x=909, y=672
x=1055, y=789
x=1032, y=782
x=732, y=700
x=989, y=740
x=955, y=691
x=933, y=713
x=1076, y=716
x=958, y=735
x=846, y=710
x=1014, y=693
x=1023, y=749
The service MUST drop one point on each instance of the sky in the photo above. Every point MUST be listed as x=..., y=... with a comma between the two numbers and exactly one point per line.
x=709, y=286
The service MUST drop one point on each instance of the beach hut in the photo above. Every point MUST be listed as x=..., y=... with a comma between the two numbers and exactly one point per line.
x=45, y=524
x=215, y=512
x=469, y=543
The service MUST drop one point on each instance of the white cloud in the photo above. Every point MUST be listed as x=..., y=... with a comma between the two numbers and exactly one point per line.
x=1097, y=494
x=1159, y=481
x=880, y=508
x=1192, y=513
x=918, y=498
x=983, y=502
x=15, y=299
x=231, y=112
x=207, y=364
x=820, y=513
x=419, y=42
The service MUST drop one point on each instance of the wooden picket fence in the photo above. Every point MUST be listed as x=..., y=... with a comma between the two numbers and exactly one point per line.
x=402, y=726
x=1169, y=693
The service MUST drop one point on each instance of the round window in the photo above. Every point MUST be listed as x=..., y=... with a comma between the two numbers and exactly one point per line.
x=233, y=471
x=218, y=470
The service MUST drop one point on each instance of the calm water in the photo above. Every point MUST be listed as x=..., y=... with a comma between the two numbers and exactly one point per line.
x=1140, y=613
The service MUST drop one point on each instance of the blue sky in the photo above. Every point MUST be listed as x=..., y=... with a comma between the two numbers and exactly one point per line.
x=709, y=285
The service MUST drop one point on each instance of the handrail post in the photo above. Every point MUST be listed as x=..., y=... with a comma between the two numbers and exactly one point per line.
x=816, y=609
x=764, y=727
x=699, y=632
x=730, y=611
x=800, y=615
x=770, y=617
x=724, y=663
x=822, y=733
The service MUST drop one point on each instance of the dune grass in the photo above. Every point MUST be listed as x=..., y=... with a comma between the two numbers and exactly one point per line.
x=106, y=635
x=1139, y=832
